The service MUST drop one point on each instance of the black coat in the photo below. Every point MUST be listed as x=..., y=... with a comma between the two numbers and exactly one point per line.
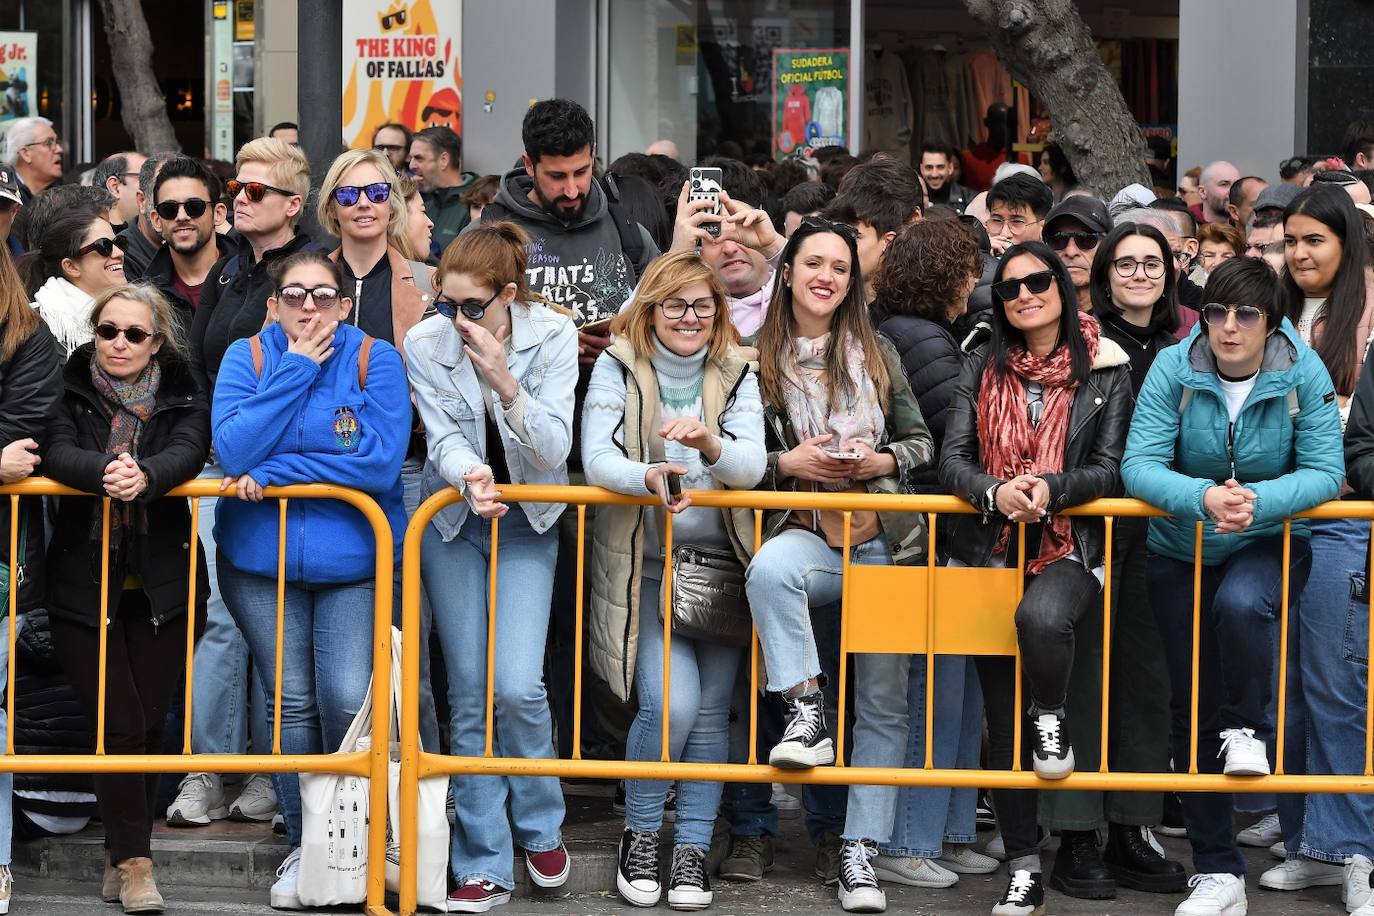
x=173, y=449
x=932, y=362
x=161, y=272
x=1098, y=423
x=48, y=717
x=30, y=392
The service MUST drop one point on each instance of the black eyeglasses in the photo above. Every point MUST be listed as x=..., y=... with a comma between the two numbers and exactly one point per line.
x=677, y=308
x=347, y=195
x=472, y=309
x=1247, y=316
x=326, y=297
x=1086, y=241
x=135, y=335
x=194, y=206
x=1126, y=267
x=103, y=247
x=388, y=147
x=255, y=190
x=1038, y=282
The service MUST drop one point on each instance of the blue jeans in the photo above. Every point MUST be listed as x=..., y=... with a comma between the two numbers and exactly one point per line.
x=411, y=473
x=927, y=818
x=793, y=571
x=1326, y=697
x=703, y=674
x=326, y=663
x=228, y=706
x=1239, y=634
x=455, y=575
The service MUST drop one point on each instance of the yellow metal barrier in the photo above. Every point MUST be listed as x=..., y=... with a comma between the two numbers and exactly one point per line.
x=884, y=609
x=372, y=763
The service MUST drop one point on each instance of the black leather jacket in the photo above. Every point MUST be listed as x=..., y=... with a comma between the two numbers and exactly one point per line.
x=1098, y=423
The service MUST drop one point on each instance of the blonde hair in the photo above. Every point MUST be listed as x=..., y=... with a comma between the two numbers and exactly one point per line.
x=664, y=277
x=287, y=167
x=165, y=321
x=327, y=209
x=409, y=190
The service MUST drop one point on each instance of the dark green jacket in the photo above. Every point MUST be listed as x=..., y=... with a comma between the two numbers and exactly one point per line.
x=447, y=211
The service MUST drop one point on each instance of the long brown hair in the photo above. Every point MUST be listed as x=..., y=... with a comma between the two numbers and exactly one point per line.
x=849, y=320
x=494, y=255
x=664, y=277
x=18, y=319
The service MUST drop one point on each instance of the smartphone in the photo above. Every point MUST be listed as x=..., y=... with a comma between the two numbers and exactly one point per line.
x=674, y=487
x=843, y=454
x=601, y=327
x=706, y=186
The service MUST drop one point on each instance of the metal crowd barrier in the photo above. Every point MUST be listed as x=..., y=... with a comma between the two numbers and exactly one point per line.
x=368, y=764
x=884, y=609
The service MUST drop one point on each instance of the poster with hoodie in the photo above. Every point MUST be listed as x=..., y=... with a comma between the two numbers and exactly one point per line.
x=809, y=93
x=400, y=63
x=18, y=68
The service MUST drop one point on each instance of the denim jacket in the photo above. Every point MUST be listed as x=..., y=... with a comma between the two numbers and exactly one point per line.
x=537, y=429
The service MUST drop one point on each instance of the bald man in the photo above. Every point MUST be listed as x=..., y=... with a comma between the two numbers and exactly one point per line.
x=1215, y=189
x=664, y=148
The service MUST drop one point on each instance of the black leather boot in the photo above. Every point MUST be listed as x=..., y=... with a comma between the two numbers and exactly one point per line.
x=1078, y=869
x=1136, y=864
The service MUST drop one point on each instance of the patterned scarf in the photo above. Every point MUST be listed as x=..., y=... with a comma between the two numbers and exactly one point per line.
x=1010, y=445
x=127, y=405
x=859, y=416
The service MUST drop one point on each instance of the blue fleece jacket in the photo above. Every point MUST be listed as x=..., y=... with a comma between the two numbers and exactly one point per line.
x=1292, y=463
x=307, y=423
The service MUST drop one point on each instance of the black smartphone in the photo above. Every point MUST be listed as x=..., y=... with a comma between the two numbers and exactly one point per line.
x=674, y=487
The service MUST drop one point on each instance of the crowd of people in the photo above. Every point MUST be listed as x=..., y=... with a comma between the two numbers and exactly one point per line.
x=840, y=324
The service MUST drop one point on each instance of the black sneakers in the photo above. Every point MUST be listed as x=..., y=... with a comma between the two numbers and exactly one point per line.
x=688, y=887
x=637, y=872
x=1025, y=895
x=859, y=890
x=1051, y=754
x=805, y=741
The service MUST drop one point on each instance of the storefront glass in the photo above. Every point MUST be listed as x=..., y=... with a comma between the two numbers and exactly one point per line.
x=45, y=17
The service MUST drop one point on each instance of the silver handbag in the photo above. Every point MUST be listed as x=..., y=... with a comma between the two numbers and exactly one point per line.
x=708, y=596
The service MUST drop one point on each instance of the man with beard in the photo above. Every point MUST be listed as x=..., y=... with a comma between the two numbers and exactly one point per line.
x=436, y=159
x=183, y=213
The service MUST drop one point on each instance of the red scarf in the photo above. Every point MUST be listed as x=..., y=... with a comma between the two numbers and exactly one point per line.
x=1010, y=446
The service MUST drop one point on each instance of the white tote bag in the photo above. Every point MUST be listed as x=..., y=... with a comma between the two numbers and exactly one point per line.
x=431, y=873
x=334, y=815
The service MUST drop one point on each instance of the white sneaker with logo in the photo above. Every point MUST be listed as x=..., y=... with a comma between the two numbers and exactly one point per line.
x=1245, y=754
x=284, y=894
x=257, y=802
x=200, y=800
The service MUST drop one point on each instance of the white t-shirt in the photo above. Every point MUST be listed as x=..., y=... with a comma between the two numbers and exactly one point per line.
x=1311, y=309
x=1236, y=393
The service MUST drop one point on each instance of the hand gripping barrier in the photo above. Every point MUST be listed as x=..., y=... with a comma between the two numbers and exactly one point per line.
x=372, y=763
x=884, y=609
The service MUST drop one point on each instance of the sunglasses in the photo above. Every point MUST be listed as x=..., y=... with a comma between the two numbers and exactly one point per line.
x=472, y=309
x=194, y=206
x=347, y=195
x=1086, y=241
x=255, y=190
x=103, y=247
x=135, y=336
x=395, y=19
x=830, y=225
x=1038, y=282
x=293, y=297
x=1247, y=316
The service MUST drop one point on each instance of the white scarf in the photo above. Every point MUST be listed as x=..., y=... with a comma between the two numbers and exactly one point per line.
x=67, y=311
x=858, y=417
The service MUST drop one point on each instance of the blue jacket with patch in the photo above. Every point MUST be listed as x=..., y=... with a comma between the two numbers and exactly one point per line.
x=307, y=423
x=1176, y=451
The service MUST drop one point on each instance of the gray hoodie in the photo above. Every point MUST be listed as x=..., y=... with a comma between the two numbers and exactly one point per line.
x=580, y=265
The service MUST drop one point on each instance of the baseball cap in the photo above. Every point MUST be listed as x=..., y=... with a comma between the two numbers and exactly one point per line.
x=1276, y=196
x=1089, y=211
x=9, y=185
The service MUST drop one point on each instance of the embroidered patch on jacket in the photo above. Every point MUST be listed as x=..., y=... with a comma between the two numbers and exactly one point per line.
x=345, y=427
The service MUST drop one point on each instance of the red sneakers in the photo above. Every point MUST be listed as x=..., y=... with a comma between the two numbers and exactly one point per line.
x=475, y=896
x=549, y=869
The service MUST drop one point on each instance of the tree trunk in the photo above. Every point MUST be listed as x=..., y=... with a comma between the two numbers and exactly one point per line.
x=1046, y=45
x=142, y=105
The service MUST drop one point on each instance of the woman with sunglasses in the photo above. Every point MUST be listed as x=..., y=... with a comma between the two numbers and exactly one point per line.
x=1036, y=425
x=309, y=399
x=839, y=417
x=133, y=425
x=1238, y=428
x=1328, y=293
x=493, y=375
x=673, y=404
x=75, y=255
x=268, y=195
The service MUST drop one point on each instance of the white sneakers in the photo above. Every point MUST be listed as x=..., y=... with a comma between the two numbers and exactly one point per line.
x=914, y=872
x=963, y=859
x=1245, y=754
x=1214, y=895
x=284, y=895
x=1263, y=832
x=1356, y=893
x=200, y=800
x=1300, y=874
x=257, y=802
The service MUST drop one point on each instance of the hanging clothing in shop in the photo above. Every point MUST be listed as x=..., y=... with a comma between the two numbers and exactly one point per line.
x=939, y=97
x=828, y=112
x=887, y=104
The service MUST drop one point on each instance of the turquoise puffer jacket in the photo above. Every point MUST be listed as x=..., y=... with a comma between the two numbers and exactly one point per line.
x=1291, y=462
